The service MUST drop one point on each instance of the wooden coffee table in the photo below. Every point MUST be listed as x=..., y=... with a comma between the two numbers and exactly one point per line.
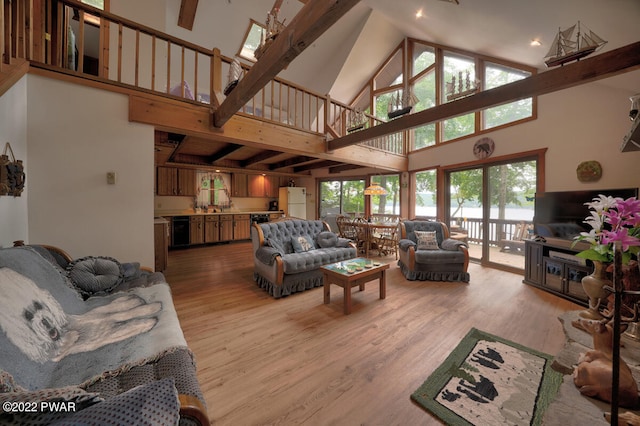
x=351, y=273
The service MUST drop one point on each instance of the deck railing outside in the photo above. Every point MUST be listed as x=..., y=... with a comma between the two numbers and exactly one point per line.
x=73, y=38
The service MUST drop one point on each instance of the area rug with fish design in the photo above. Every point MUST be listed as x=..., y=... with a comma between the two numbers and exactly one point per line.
x=489, y=380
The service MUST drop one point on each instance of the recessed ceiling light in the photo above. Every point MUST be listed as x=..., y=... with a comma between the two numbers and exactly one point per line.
x=419, y=14
x=535, y=42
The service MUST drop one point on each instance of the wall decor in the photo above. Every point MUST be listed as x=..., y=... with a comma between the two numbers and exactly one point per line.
x=12, y=176
x=483, y=148
x=589, y=171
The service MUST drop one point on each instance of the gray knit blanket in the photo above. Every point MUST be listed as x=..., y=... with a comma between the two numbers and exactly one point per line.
x=50, y=337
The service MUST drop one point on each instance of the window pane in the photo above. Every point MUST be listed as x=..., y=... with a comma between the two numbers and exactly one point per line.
x=423, y=58
x=425, y=194
x=98, y=4
x=425, y=90
x=382, y=103
x=499, y=75
x=342, y=197
x=459, y=75
x=458, y=126
x=390, y=203
x=252, y=42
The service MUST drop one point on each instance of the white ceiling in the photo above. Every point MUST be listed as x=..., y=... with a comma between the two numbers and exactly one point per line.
x=344, y=57
x=505, y=28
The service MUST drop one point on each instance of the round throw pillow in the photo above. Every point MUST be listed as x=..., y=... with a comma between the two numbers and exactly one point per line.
x=326, y=239
x=95, y=274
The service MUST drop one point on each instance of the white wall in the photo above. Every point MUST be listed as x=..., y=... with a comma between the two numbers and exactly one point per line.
x=580, y=124
x=13, y=129
x=76, y=135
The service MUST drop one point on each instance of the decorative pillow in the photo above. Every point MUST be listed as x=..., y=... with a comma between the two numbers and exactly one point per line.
x=327, y=239
x=427, y=240
x=275, y=244
x=302, y=243
x=95, y=274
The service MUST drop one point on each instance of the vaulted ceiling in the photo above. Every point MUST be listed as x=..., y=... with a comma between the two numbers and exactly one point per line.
x=342, y=59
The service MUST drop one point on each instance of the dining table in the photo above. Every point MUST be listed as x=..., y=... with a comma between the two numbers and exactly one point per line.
x=371, y=235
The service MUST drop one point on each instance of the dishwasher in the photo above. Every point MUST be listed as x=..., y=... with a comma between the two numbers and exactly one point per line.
x=180, y=231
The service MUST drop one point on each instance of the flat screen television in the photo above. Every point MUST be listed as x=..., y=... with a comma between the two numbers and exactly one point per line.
x=568, y=206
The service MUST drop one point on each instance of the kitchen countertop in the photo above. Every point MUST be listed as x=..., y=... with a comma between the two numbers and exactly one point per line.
x=190, y=212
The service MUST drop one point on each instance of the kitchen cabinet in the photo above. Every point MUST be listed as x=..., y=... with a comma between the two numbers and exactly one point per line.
x=241, y=226
x=167, y=181
x=175, y=181
x=196, y=230
x=263, y=186
x=161, y=244
x=211, y=229
x=226, y=227
x=187, y=182
x=239, y=184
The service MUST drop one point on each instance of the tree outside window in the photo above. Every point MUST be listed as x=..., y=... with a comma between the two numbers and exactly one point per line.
x=389, y=203
x=426, y=193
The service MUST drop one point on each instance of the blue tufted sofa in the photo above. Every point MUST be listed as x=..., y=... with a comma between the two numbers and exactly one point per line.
x=446, y=261
x=280, y=269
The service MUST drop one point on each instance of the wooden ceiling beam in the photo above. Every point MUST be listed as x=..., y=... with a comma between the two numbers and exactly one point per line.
x=187, y=13
x=289, y=162
x=313, y=20
x=259, y=157
x=221, y=153
x=317, y=165
x=343, y=167
x=604, y=65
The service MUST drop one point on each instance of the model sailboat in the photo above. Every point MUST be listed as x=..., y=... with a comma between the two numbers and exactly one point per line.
x=571, y=45
x=357, y=120
x=401, y=104
x=269, y=34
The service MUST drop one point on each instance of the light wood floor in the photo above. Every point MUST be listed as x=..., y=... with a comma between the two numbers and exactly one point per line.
x=297, y=361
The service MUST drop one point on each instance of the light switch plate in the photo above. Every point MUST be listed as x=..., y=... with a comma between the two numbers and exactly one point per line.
x=111, y=178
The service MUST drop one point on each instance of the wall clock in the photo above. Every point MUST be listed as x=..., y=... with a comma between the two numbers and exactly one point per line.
x=483, y=148
x=589, y=171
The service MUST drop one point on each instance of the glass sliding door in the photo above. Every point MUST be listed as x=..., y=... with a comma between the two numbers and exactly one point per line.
x=491, y=207
x=512, y=187
x=466, y=213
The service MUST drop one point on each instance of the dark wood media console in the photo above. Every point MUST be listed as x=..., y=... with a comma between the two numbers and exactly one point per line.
x=552, y=266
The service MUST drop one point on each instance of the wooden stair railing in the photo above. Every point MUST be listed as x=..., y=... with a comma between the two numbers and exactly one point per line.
x=36, y=33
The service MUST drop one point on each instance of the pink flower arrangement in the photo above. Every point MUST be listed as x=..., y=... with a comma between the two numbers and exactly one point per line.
x=612, y=220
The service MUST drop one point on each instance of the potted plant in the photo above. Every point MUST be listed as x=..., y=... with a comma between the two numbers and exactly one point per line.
x=612, y=220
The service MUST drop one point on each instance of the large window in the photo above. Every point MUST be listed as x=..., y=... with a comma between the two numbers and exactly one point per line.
x=251, y=41
x=426, y=194
x=459, y=78
x=424, y=89
x=342, y=197
x=498, y=75
x=435, y=75
x=389, y=203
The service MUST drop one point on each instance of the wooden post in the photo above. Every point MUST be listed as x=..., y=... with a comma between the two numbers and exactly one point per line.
x=216, y=78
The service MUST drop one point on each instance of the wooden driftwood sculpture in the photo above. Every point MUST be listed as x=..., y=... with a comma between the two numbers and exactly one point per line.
x=625, y=419
x=593, y=373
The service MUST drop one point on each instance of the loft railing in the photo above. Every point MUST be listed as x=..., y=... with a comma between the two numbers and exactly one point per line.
x=70, y=37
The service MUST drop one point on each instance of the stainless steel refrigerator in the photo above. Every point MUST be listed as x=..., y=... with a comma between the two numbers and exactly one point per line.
x=293, y=201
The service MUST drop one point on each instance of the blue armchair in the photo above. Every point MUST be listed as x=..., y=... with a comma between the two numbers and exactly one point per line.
x=427, y=252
